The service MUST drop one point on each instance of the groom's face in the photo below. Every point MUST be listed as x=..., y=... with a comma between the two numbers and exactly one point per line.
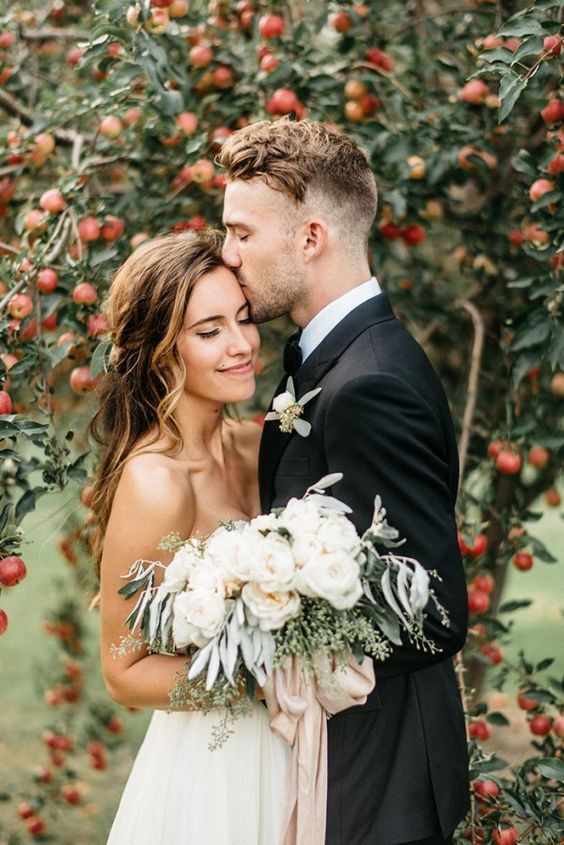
x=262, y=247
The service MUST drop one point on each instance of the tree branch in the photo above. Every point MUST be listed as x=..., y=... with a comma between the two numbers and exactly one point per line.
x=472, y=393
x=52, y=33
x=15, y=108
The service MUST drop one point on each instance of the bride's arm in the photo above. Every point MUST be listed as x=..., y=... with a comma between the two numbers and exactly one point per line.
x=150, y=502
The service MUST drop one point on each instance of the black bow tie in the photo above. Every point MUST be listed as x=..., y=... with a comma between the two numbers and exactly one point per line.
x=292, y=354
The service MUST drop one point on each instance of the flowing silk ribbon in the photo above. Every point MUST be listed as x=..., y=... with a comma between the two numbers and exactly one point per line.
x=298, y=704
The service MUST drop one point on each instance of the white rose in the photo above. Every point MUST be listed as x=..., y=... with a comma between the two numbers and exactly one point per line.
x=283, y=401
x=205, y=576
x=333, y=577
x=264, y=522
x=270, y=611
x=227, y=552
x=178, y=571
x=300, y=517
x=198, y=615
x=274, y=566
x=306, y=549
x=337, y=533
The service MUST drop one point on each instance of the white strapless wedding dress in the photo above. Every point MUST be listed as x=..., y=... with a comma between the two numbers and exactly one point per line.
x=181, y=793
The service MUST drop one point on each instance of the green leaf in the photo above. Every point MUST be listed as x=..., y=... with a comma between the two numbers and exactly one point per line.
x=26, y=503
x=99, y=361
x=497, y=719
x=509, y=92
x=530, y=47
x=497, y=54
x=556, y=348
x=552, y=768
x=544, y=664
x=523, y=162
x=517, y=604
x=521, y=25
x=533, y=335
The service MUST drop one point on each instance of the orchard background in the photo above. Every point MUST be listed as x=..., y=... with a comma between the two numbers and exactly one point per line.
x=110, y=119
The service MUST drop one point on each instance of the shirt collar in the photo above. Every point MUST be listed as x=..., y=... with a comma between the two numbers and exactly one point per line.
x=326, y=320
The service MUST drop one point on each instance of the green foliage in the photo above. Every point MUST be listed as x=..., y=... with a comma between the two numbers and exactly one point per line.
x=467, y=243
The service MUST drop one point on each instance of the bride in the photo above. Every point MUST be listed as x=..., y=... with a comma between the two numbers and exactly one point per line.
x=184, y=347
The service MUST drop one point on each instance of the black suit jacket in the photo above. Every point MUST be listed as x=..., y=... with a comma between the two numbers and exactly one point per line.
x=398, y=768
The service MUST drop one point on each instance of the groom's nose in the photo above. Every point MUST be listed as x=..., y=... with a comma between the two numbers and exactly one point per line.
x=230, y=253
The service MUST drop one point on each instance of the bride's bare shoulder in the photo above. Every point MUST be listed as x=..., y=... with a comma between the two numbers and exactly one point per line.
x=151, y=484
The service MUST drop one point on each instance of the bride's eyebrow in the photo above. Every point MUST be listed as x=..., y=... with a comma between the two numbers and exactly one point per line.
x=217, y=316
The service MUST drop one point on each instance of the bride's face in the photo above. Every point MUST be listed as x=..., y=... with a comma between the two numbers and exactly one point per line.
x=219, y=343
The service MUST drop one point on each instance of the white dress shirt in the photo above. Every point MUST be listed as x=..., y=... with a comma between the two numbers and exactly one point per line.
x=326, y=320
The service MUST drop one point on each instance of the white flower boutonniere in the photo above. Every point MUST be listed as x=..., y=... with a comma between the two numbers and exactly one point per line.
x=288, y=409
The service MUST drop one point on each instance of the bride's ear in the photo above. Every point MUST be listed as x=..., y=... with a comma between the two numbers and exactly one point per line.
x=315, y=238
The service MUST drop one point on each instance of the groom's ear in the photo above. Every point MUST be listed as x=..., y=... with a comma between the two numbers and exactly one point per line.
x=315, y=237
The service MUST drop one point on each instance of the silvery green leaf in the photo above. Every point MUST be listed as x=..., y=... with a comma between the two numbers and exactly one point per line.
x=367, y=590
x=155, y=613
x=213, y=666
x=402, y=585
x=260, y=675
x=309, y=395
x=257, y=644
x=419, y=593
x=302, y=427
x=166, y=619
x=389, y=596
x=223, y=650
x=231, y=658
x=240, y=611
x=200, y=660
x=389, y=625
x=328, y=503
x=324, y=483
x=246, y=648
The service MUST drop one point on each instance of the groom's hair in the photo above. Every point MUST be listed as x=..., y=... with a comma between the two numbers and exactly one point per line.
x=314, y=165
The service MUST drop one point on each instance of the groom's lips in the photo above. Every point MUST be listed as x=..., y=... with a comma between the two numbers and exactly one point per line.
x=241, y=369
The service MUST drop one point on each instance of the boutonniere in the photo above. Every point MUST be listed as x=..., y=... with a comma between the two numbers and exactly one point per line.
x=288, y=409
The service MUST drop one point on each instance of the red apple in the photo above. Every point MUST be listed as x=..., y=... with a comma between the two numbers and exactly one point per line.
x=85, y=294
x=200, y=56
x=354, y=111
x=96, y=324
x=524, y=702
x=12, y=571
x=479, y=729
x=271, y=26
x=486, y=790
x=110, y=127
x=380, y=59
x=52, y=201
x=553, y=112
x=523, y=561
x=508, y=462
x=505, y=836
x=540, y=725
x=89, y=229
x=558, y=727
x=5, y=402
x=283, y=101
x=34, y=221
x=112, y=228
x=484, y=582
x=539, y=188
x=538, y=457
x=493, y=653
x=3, y=621
x=223, y=77
x=478, y=601
x=20, y=306
x=552, y=497
x=475, y=91
x=115, y=725
x=413, y=235
x=25, y=810
x=390, y=230
x=187, y=122
x=552, y=45
x=202, y=171
x=71, y=794
x=340, y=21
x=268, y=63
x=47, y=280
x=81, y=380
x=35, y=826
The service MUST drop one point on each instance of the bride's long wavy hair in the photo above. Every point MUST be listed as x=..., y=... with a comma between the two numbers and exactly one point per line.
x=145, y=309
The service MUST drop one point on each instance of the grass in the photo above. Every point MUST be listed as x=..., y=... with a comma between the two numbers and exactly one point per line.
x=25, y=649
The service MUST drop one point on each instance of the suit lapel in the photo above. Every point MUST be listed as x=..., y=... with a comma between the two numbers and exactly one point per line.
x=322, y=359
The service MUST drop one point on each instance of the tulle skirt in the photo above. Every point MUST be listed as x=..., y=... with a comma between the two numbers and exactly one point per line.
x=181, y=793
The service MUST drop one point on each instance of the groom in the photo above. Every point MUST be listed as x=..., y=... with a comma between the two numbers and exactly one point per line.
x=299, y=204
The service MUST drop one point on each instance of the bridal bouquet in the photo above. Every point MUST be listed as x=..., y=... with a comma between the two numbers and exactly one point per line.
x=297, y=582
